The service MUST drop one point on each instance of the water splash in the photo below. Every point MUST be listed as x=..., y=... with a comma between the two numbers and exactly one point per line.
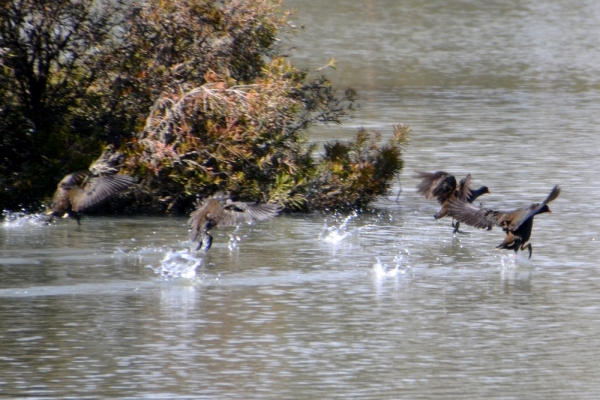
x=508, y=261
x=177, y=264
x=337, y=233
x=383, y=270
x=234, y=239
x=21, y=218
x=515, y=260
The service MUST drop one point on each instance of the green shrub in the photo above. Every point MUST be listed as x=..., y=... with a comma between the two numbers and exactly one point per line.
x=353, y=174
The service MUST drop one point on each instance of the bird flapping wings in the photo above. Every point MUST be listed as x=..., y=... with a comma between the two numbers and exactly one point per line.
x=485, y=218
x=96, y=190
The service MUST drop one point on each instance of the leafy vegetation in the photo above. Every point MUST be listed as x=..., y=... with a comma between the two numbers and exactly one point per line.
x=351, y=175
x=52, y=53
x=192, y=94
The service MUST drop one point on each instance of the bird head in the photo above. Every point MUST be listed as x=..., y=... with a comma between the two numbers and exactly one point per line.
x=545, y=209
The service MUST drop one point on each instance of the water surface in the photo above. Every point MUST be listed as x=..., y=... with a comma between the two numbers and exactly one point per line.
x=385, y=303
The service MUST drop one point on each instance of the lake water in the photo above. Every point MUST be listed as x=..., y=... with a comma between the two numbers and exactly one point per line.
x=382, y=304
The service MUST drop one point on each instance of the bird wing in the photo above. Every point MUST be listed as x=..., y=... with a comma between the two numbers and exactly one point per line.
x=521, y=215
x=97, y=190
x=445, y=189
x=74, y=179
x=479, y=217
x=237, y=212
x=261, y=212
x=485, y=218
x=464, y=187
x=429, y=182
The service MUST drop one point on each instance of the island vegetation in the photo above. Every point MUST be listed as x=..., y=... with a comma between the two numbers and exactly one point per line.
x=189, y=96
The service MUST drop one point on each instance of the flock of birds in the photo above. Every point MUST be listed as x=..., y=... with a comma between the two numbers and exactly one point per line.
x=81, y=190
x=456, y=198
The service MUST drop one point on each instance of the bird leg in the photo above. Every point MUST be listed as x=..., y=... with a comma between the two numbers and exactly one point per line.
x=208, y=241
x=455, y=225
x=528, y=247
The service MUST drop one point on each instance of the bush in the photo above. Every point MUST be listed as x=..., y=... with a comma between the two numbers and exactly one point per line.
x=192, y=93
x=353, y=174
x=245, y=139
x=51, y=55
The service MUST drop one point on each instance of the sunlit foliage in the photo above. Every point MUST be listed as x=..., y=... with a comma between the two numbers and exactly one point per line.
x=193, y=94
x=352, y=174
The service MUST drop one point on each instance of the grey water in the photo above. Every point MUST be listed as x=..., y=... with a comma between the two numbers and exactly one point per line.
x=381, y=304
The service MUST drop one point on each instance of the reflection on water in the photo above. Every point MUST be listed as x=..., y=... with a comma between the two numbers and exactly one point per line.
x=384, y=303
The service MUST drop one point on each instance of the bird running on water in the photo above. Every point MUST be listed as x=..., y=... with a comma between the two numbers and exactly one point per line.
x=517, y=224
x=80, y=190
x=442, y=186
x=220, y=211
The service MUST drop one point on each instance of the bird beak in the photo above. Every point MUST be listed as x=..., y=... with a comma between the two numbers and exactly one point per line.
x=549, y=210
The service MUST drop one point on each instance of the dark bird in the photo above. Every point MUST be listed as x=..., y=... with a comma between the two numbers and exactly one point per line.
x=220, y=211
x=442, y=186
x=80, y=190
x=517, y=224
